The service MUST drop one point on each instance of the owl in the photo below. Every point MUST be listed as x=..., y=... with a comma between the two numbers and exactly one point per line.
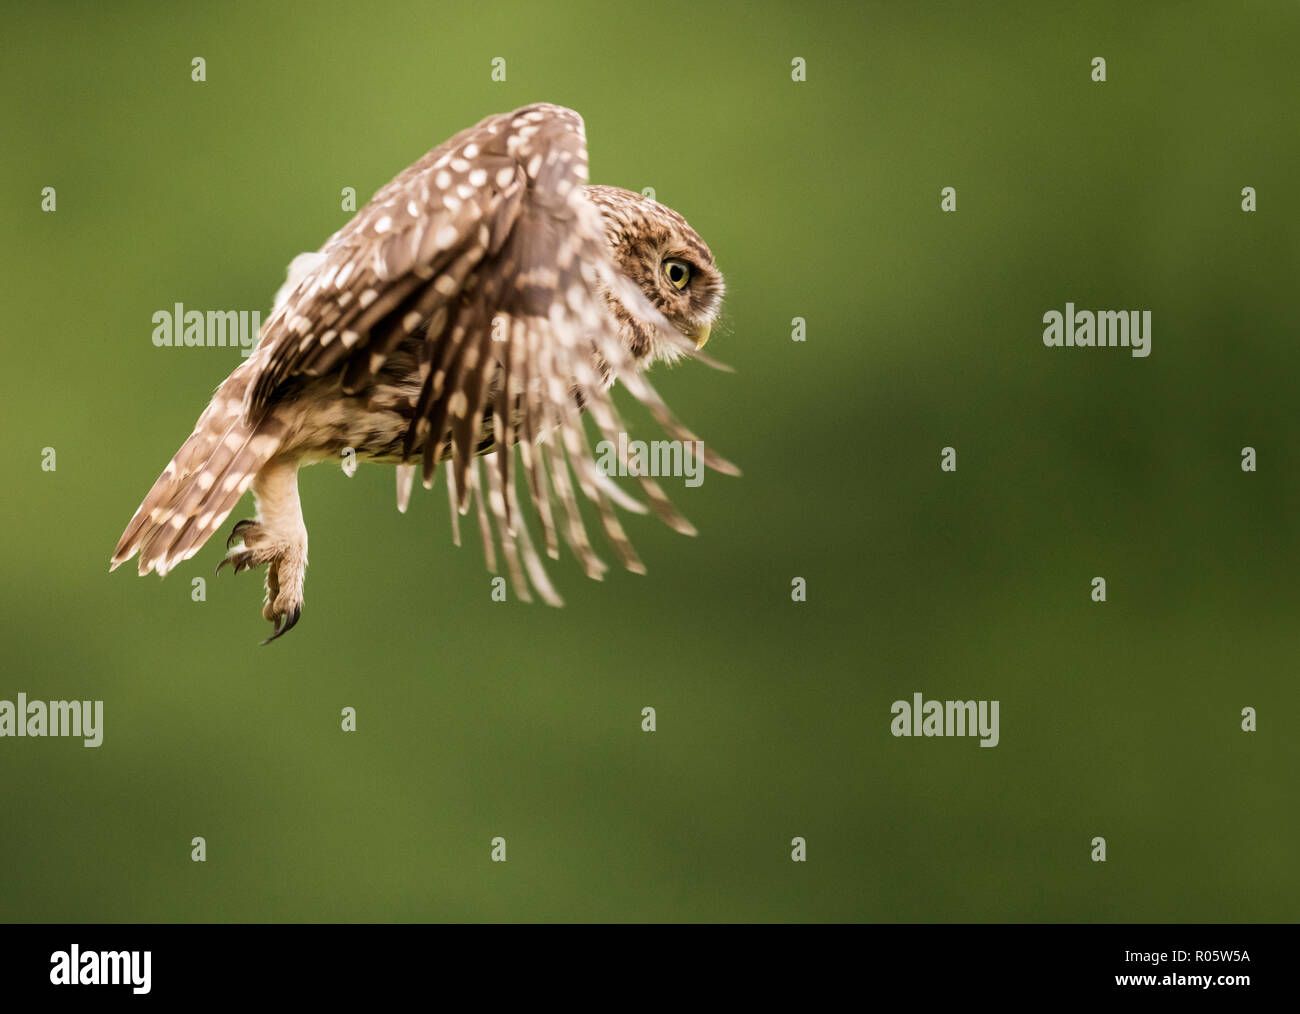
x=484, y=302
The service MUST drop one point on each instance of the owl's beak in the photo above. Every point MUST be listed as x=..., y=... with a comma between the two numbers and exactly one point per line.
x=701, y=335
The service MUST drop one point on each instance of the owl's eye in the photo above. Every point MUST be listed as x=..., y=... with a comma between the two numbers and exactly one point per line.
x=678, y=272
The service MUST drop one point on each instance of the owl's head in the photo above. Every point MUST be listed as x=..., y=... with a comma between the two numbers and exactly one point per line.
x=666, y=259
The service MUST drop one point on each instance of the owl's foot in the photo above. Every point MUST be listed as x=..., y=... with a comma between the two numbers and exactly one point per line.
x=284, y=553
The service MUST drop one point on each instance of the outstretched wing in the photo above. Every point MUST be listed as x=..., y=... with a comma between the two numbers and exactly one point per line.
x=489, y=249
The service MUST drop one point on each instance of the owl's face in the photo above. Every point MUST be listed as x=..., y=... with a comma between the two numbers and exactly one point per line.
x=656, y=248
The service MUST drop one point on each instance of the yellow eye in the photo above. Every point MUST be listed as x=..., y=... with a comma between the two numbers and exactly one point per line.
x=678, y=272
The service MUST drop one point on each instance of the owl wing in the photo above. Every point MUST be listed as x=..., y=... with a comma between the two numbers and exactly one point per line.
x=489, y=248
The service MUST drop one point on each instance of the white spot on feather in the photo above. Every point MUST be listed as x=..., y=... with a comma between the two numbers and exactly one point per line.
x=445, y=237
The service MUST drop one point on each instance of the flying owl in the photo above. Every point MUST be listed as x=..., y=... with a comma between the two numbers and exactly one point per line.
x=482, y=300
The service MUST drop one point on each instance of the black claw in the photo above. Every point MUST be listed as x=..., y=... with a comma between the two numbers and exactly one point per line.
x=239, y=561
x=234, y=532
x=290, y=619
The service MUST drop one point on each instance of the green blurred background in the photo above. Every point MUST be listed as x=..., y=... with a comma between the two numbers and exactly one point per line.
x=820, y=200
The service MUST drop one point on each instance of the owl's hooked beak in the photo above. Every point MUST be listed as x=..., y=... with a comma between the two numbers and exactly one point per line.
x=701, y=335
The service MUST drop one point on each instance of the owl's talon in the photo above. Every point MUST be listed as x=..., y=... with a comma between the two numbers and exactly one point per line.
x=240, y=527
x=239, y=559
x=289, y=619
x=283, y=551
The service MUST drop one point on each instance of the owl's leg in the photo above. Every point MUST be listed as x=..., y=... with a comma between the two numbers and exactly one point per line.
x=277, y=538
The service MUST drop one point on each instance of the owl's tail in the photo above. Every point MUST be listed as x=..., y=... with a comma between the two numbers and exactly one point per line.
x=201, y=484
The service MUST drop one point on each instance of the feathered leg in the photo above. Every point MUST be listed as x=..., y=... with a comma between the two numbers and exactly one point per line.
x=278, y=539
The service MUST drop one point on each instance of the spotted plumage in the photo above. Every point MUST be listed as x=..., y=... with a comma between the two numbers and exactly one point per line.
x=480, y=302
